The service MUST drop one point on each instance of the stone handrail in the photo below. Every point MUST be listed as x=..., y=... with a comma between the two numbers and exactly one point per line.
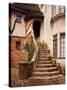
x=35, y=52
x=26, y=68
x=36, y=47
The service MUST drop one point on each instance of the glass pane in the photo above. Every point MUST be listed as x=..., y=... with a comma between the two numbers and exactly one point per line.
x=62, y=45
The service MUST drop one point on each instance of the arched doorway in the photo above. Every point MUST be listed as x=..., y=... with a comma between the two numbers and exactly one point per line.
x=36, y=28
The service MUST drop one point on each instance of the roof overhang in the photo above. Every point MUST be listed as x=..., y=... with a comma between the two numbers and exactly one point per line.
x=29, y=12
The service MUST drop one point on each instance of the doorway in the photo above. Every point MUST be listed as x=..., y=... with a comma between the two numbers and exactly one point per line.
x=36, y=28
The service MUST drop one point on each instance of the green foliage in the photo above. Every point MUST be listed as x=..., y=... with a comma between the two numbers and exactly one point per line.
x=54, y=62
x=58, y=66
x=62, y=69
x=43, y=44
x=30, y=48
x=48, y=51
x=50, y=58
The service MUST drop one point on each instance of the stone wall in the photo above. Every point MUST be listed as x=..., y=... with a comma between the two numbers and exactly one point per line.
x=17, y=55
x=20, y=68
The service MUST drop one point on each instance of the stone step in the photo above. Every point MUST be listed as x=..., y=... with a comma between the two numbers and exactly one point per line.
x=45, y=65
x=43, y=53
x=46, y=49
x=43, y=74
x=44, y=62
x=49, y=69
x=51, y=80
x=46, y=77
x=45, y=58
x=43, y=49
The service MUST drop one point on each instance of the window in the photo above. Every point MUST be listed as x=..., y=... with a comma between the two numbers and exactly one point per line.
x=55, y=46
x=62, y=45
x=18, y=19
x=61, y=9
x=18, y=45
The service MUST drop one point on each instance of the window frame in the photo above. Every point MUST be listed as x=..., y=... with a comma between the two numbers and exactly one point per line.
x=18, y=18
x=62, y=35
x=18, y=45
x=55, y=40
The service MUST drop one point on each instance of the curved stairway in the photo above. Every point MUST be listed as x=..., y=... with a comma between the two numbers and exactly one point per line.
x=45, y=72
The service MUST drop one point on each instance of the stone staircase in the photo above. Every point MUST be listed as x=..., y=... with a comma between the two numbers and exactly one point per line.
x=45, y=72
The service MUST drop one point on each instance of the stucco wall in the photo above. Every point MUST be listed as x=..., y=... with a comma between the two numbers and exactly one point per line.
x=16, y=55
x=46, y=32
x=19, y=27
x=49, y=29
x=20, y=35
x=19, y=55
x=59, y=25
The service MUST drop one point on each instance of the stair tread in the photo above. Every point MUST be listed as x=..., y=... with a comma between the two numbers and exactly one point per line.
x=45, y=68
x=52, y=72
x=46, y=77
x=43, y=57
x=44, y=64
x=45, y=72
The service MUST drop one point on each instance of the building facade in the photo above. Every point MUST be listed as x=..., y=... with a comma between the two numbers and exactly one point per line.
x=53, y=30
x=29, y=25
x=24, y=23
